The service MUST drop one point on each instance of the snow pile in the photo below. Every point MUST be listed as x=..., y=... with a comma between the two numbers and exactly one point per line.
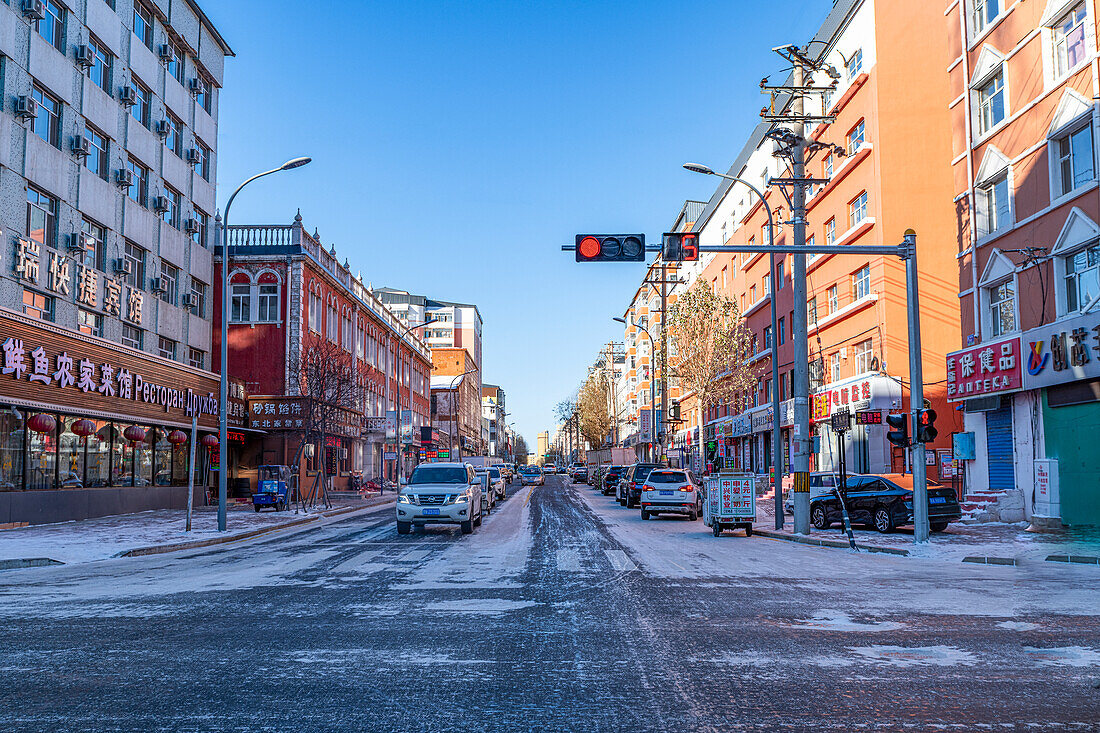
x=916, y=656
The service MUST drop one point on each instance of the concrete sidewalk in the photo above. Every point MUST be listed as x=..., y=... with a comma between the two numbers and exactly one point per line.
x=994, y=543
x=154, y=532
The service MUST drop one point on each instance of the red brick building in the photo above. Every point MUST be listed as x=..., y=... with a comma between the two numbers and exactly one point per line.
x=287, y=292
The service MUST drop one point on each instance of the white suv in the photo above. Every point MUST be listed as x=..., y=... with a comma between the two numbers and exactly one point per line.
x=672, y=491
x=440, y=493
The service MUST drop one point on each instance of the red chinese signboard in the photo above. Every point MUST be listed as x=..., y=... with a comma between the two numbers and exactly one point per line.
x=823, y=404
x=982, y=370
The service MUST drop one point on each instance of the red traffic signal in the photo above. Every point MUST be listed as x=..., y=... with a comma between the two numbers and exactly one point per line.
x=610, y=248
x=680, y=246
x=926, y=426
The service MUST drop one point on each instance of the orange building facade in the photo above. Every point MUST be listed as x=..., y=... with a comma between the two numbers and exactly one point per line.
x=893, y=176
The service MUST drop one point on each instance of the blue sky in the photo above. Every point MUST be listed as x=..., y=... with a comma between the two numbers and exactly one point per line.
x=457, y=145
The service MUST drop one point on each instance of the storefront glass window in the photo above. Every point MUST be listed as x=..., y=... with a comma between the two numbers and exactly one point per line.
x=70, y=457
x=145, y=458
x=181, y=454
x=41, y=459
x=122, y=457
x=163, y=458
x=97, y=455
x=11, y=451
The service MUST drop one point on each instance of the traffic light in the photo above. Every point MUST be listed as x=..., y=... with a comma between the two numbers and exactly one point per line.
x=926, y=426
x=899, y=436
x=610, y=248
x=680, y=246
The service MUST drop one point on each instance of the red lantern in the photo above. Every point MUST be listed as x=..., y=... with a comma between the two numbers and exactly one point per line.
x=134, y=434
x=177, y=437
x=42, y=423
x=210, y=440
x=83, y=428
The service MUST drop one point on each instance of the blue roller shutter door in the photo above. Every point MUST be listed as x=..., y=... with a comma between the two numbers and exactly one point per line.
x=998, y=436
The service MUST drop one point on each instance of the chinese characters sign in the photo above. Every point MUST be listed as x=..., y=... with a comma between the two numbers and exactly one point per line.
x=991, y=368
x=1062, y=352
x=825, y=403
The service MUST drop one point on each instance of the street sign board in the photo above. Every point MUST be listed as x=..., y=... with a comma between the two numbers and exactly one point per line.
x=391, y=424
x=390, y=455
x=868, y=417
x=842, y=420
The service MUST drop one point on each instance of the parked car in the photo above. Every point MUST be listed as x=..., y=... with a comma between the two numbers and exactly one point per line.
x=671, y=491
x=821, y=482
x=611, y=479
x=629, y=491
x=531, y=476
x=580, y=475
x=496, y=481
x=440, y=493
x=550, y=468
x=885, y=502
x=575, y=465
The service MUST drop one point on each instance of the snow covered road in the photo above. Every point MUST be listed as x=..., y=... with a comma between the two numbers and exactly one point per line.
x=563, y=612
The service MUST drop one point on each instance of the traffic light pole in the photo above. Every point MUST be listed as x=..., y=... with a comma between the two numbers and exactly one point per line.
x=916, y=391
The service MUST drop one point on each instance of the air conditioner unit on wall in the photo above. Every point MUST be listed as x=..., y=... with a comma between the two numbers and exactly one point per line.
x=194, y=85
x=159, y=285
x=34, y=9
x=162, y=128
x=76, y=241
x=127, y=96
x=122, y=265
x=192, y=155
x=124, y=177
x=160, y=204
x=190, y=301
x=26, y=107
x=85, y=56
x=164, y=50
x=81, y=145
x=191, y=226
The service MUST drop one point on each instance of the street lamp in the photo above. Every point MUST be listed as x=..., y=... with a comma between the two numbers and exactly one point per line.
x=400, y=420
x=223, y=425
x=652, y=382
x=777, y=440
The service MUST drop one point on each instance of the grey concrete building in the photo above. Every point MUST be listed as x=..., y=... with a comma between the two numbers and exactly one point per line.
x=108, y=152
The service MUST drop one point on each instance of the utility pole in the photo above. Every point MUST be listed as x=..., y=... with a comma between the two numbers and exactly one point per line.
x=916, y=392
x=801, y=427
x=664, y=358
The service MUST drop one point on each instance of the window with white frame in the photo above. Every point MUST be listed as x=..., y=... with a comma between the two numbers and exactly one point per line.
x=855, y=63
x=1082, y=278
x=360, y=342
x=861, y=282
x=1068, y=34
x=332, y=324
x=830, y=231
x=349, y=332
x=240, y=310
x=834, y=299
x=856, y=137
x=984, y=12
x=991, y=102
x=267, y=300
x=1074, y=162
x=857, y=210
x=834, y=367
x=315, y=311
x=1002, y=308
x=864, y=355
x=994, y=209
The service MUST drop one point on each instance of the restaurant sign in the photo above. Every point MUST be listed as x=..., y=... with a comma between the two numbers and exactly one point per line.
x=991, y=368
x=855, y=396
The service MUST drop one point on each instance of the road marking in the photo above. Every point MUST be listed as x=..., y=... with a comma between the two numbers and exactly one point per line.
x=414, y=556
x=569, y=560
x=620, y=561
x=355, y=562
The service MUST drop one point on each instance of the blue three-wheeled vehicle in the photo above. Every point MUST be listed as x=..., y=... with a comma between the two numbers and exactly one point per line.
x=272, y=488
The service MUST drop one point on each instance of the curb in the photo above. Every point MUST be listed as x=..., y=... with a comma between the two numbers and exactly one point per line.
x=1080, y=559
x=818, y=542
x=28, y=562
x=195, y=544
x=990, y=560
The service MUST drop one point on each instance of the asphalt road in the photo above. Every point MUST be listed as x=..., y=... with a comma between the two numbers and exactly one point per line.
x=564, y=612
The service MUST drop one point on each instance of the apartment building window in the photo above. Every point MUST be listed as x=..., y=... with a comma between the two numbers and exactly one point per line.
x=102, y=63
x=856, y=137
x=830, y=231
x=95, y=245
x=198, y=290
x=833, y=295
x=47, y=123
x=139, y=183
x=143, y=103
x=89, y=322
x=171, y=215
x=143, y=25
x=315, y=312
x=1069, y=40
x=1082, y=278
x=834, y=367
x=864, y=355
x=37, y=305
x=170, y=276
x=52, y=27
x=135, y=255
x=332, y=324
x=725, y=279
x=810, y=243
x=268, y=302
x=175, y=63
x=1073, y=158
x=240, y=310
x=202, y=163
x=360, y=342
x=767, y=337
x=994, y=209
x=855, y=63
x=782, y=330
x=166, y=348
x=861, y=282
x=174, y=139
x=1002, y=308
x=811, y=312
x=97, y=161
x=991, y=102
x=41, y=217
x=984, y=12
x=200, y=236
x=764, y=286
x=132, y=336
x=202, y=97
x=752, y=294
x=349, y=332
x=779, y=275
x=857, y=210
x=828, y=166
x=196, y=358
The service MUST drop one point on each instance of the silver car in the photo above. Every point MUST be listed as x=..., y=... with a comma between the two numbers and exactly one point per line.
x=440, y=493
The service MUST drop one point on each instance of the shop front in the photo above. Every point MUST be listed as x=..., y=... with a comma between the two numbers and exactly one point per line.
x=865, y=447
x=89, y=428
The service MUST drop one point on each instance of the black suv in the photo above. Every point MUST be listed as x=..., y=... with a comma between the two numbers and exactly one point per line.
x=885, y=502
x=611, y=479
x=629, y=492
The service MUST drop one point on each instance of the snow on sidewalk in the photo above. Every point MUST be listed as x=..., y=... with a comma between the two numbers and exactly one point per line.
x=104, y=537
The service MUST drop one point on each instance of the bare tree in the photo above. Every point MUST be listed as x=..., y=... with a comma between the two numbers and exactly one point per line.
x=593, y=411
x=712, y=346
x=331, y=396
x=521, y=450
